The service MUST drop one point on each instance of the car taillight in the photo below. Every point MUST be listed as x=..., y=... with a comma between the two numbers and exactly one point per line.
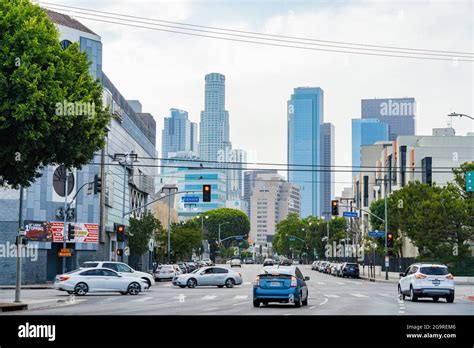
x=450, y=276
x=257, y=281
x=293, y=282
x=420, y=276
x=63, y=278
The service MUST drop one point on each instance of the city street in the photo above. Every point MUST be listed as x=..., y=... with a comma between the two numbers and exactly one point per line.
x=328, y=296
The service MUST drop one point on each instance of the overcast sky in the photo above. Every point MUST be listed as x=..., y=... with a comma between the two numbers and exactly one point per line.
x=165, y=70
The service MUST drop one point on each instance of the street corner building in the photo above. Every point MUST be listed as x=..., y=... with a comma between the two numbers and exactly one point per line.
x=126, y=185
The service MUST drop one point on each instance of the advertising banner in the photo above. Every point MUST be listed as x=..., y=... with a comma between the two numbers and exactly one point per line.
x=52, y=231
x=39, y=231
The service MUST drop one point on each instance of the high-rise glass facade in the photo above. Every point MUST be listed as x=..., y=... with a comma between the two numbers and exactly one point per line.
x=305, y=118
x=327, y=184
x=214, y=126
x=398, y=113
x=366, y=132
x=179, y=133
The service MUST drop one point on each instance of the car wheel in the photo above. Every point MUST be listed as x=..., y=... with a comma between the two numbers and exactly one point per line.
x=229, y=283
x=305, y=302
x=123, y=292
x=134, y=288
x=256, y=303
x=435, y=299
x=450, y=298
x=158, y=279
x=81, y=289
x=414, y=298
x=298, y=302
x=402, y=296
x=191, y=283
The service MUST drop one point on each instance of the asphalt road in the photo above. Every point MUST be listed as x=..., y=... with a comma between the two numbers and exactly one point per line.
x=328, y=296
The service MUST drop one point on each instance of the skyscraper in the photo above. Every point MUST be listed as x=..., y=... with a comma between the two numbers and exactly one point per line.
x=327, y=184
x=366, y=132
x=398, y=113
x=179, y=133
x=214, y=126
x=305, y=119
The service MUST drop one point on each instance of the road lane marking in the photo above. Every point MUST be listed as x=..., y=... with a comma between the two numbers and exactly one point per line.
x=211, y=309
x=208, y=297
x=142, y=299
x=168, y=284
x=179, y=297
x=359, y=295
x=312, y=307
x=240, y=303
x=111, y=299
x=324, y=302
x=241, y=297
x=341, y=283
x=330, y=295
x=247, y=283
x=321, y=283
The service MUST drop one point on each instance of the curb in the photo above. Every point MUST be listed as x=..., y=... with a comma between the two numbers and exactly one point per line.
x=390, y=281
x=27, y=287
x=43, y=305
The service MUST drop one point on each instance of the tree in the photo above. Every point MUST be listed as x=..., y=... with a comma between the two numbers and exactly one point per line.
x=141, y=231
x=184, y=240
x=37, y=75
x=291, y=226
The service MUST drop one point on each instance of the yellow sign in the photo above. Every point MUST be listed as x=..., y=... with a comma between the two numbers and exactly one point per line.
x=65, y=252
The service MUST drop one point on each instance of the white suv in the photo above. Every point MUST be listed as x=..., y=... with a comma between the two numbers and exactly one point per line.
x=236, y=263
x=426, y=280
x=121, y=268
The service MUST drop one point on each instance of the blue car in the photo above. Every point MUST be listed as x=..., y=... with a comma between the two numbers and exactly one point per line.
x=283, y=284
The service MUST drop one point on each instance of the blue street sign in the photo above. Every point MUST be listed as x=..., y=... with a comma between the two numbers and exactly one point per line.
x=239, y=237
x=470, y=181
x=352, y=214
x=376, y=234
x=190, y=199
x=292, y=238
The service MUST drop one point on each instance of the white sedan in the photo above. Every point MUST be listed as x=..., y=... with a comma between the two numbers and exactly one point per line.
x=82, y=281
x=209, y=276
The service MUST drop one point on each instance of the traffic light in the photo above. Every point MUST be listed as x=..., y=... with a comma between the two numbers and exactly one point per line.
x=23, y=240
x=97, y=184
x=70, y=232
x=206, y=193
x=335, y=207
x=120, y=230
x=389, y=240
x=119, y=252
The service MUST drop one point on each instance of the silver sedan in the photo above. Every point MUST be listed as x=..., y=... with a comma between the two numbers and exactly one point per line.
x=209, y=276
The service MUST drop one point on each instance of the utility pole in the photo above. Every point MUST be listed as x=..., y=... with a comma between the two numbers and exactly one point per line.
x=169, y=188
x=386, y=231
x=18, y=250
x=66, y=179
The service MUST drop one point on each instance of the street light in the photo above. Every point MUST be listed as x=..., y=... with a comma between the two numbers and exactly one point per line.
x=455, y=114
x=202, y=224
x=220, y=230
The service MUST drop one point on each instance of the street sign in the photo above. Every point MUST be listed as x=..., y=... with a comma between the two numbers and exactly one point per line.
x=292, y=238
x=65, y=252
x=190, y=199
x=376, y=234
x=239, y=237
x=470, y=181
x=387, y=261
x=352, y=214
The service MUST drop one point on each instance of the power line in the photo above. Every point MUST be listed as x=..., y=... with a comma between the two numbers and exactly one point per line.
x=266, y=43
x=358, y=45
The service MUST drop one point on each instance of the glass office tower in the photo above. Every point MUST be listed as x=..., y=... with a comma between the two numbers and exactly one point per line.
x=366, y=132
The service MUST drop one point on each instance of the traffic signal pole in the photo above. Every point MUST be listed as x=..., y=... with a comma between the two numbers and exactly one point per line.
x=386, y=230
x=65, y=216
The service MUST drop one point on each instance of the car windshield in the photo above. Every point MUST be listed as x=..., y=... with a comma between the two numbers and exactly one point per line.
x=89, y=264
x=434, y=270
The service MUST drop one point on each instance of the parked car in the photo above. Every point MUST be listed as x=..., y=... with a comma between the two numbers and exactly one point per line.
x=191, y=266
x=95, y=279
x=314, y=265
x=296, y=262
x=121, y=268
x=166, y=272
x=280, y=284
x=335, y=271
x=269, y=262
x=349, y=269
x=183, y=268
x=426, y=280
x=249, y=261
x=285, y=262
x=209, y=276
x=235, y=263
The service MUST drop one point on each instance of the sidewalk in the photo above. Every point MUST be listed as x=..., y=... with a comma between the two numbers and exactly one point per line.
x=394, y=279
x=6, y=307
x=28, y=287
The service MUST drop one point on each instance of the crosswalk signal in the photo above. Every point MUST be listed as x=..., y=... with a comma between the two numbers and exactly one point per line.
x=70, y=232
x=120, y=230
x=206, y=193
x=97, y=184
x=389, y=240
x=119, y=252
x=335, y=207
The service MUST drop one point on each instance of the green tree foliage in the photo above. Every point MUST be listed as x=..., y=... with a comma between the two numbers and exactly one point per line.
x=35, y=75
x=141, y=231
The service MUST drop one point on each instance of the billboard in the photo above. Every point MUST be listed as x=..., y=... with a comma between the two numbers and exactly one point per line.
x=52, y=231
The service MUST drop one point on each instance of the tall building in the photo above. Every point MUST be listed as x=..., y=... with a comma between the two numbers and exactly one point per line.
x=179, y=133
x=327, y=176
x=366, y=132
x=214, y=136
x=305, y=119
x=250, y=178
x=235, y=186
x=398, y=113
x=272, y=199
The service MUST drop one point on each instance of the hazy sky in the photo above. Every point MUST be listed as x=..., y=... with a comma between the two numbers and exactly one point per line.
x=165, y=70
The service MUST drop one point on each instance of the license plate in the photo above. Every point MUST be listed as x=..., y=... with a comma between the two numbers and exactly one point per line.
x=436, y=282
x=275, y=284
